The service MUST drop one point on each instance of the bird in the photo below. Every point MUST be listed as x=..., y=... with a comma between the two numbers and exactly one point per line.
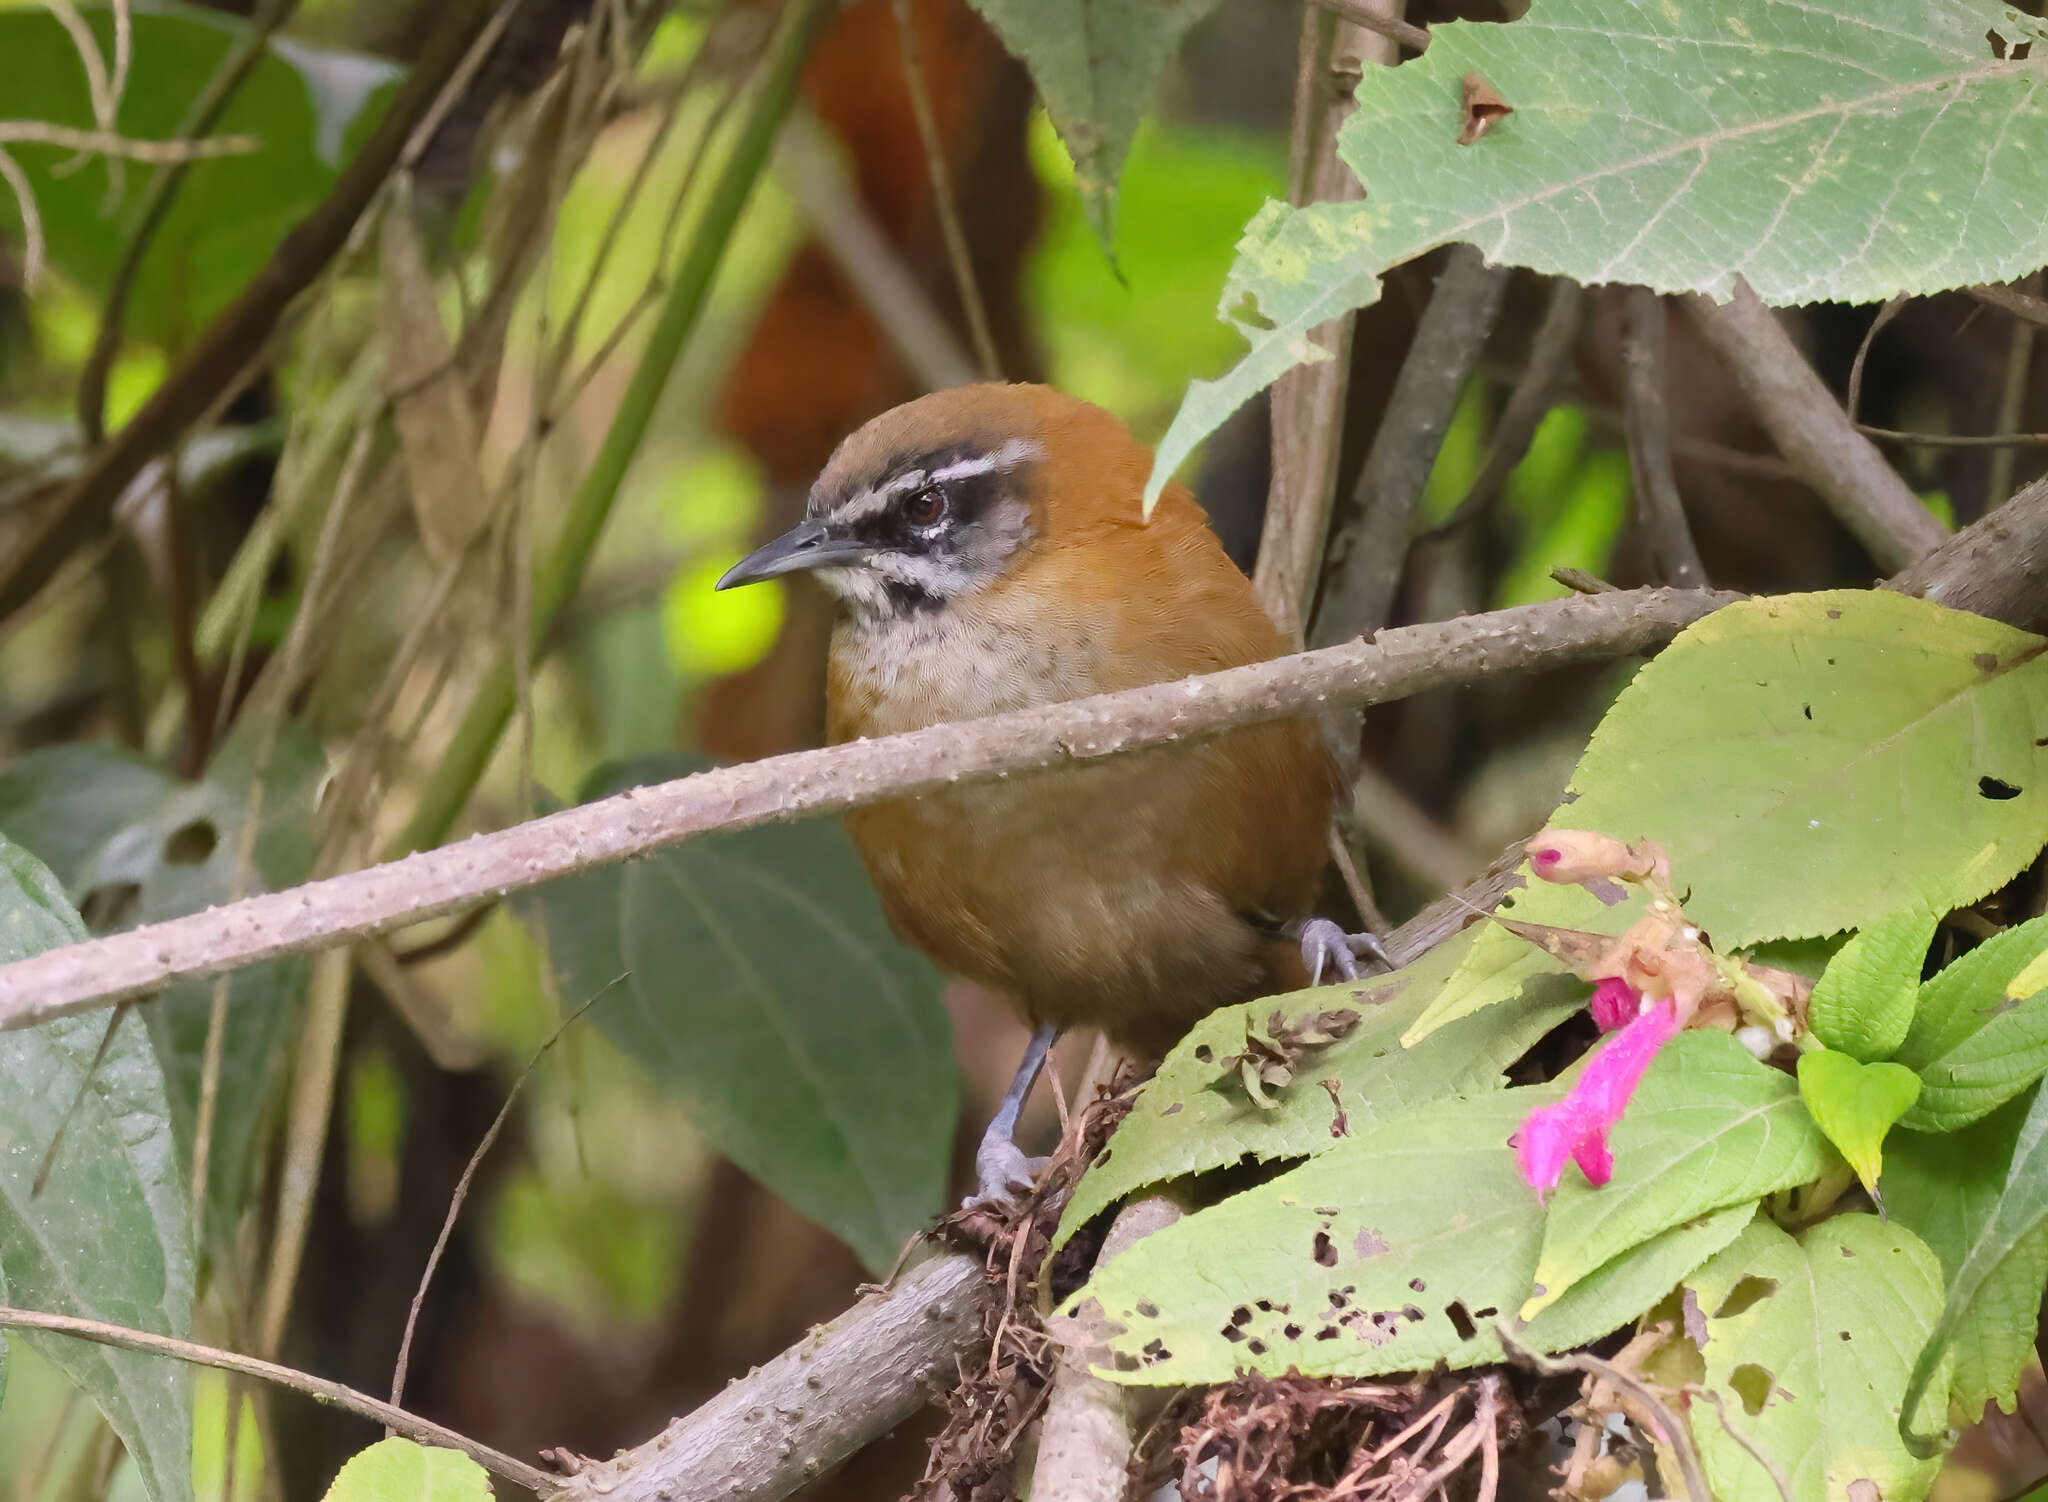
x=987, y=550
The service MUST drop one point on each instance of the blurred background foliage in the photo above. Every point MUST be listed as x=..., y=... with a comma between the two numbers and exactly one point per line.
x=613, y=1266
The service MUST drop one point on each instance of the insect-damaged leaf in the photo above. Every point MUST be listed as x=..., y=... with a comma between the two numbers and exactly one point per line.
x=1193, y=1117
x=1850, y=737
x=1397, y=1249
x=1708, y=1127
x=109, y=1237
x=762, y=986
x=1808, y=1344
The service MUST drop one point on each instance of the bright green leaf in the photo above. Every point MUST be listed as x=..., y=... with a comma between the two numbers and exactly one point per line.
x=1709, y=1126
x=2011, y=1225
x=1863, y=1002
x=1808, y=1344
x=108, y=1237
x=1397, y=1249
x=1945, y=1189
x=1193, y=1116
x=400, y=1470
x=1974, y=1045
x=1097, y=64
x=1836, y=150
x=1856, y=1104
x=1852, y=740
x=302, y=105
x=758, y=981
x=1493, y=966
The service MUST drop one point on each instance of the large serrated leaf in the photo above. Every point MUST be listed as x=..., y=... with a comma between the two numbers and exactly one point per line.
x=1831, y=150
x=1709, y=1126
x=129, y=840
x=1863, y=1002
x=1097, y=64
x=1945, y=1189
x=1194, y=1115
x=1859, y=745
x=108, y=1238
x=1974, y=1045
x=1808, y=1345
x=757, y=979
x=1367, y=1260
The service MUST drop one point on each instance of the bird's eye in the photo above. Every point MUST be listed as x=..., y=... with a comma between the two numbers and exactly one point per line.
x=927, y=507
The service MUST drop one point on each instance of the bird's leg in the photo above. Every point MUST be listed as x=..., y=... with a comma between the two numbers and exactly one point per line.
x=1325, y=943
x=1000, y=1166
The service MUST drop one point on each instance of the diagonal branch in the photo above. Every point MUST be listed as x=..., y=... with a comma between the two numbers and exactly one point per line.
x=807, y=783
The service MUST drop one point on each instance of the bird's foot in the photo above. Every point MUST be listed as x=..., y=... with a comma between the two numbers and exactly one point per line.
x=1004, y=1175
x=1325, y=945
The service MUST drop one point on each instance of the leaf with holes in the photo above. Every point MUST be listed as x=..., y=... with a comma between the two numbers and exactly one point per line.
x=133, y=844
x=1808, y=1343
x=108, y=1237
x=758, y=981
x=1866, y=753
x=1975, y=1044
x=1709, y=1126
x=1097, y=64
x=399, y=1470
x=1863, y=1002
x=1192, y=1117
x=302, y=105
x=1946, y=1190
x=1856, y=1104
x=1396, y=1249
x=1833, y=150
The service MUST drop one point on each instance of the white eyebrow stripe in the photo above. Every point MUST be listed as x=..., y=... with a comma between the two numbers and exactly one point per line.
x=869, y=502
x=1009, y=456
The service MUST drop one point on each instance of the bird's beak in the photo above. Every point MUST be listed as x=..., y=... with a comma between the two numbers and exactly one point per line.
x=807, y=545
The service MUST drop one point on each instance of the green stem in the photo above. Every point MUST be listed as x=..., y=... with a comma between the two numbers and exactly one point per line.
x=462, y=765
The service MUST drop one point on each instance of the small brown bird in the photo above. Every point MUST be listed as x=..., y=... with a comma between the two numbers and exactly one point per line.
x=987, y=551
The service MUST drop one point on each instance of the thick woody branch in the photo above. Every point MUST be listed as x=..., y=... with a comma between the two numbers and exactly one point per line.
x=833, y=1392
x=1813, y=432
x=807, y=783
x=1996, y=567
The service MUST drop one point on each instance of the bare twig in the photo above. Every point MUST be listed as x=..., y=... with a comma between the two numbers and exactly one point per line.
x=1648, y=433
x=1884, y=316
x=1367, y=556
x=1392, y=27
x=2012, y=407
x=1675, y=1433
x=1084, y=1440
x=442, y=880
x=1998, y=441
x=319, y=1389
x=1812, y=431
x=2012, y=300
x=838, y=1388
x=950, y=227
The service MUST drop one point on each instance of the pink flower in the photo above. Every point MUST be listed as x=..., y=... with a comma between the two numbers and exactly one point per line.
x=1577, y=1126
x=1615, y=1003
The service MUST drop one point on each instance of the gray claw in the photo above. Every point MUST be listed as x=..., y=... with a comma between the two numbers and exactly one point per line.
x=1003, y=1172
x=1325, y=943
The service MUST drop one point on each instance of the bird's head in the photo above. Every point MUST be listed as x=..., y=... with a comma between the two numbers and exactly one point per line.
x=945, y=495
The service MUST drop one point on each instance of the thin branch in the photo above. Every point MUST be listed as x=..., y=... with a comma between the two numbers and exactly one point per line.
x=839, y=1388
x=1647, y=431
x=885, y=285
x=2012, y=408
x=319, y=1389
x=1393, y=28
x=1955, y=440
x=1675, y=1433
x=443, y=880
x=1884, y=316
x=2011, y=300
x=1812, y=431
x=1368, y=556
x=950, y=228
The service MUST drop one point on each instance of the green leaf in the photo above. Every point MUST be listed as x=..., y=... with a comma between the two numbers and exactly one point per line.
x=1193, y=1116
x=1709, y=1126
x=1854, y=743
x=109, y=1237
x=1856, y=1104
x=1808, y=1344
x=762, y=986
x=1945, y=1189
x=1489, y=972
x=1397, y=1249
x=133, y=844
x=399, y=1470
x=1978, y=1289
x=1096, y=64
x=1838, y=150
x=1974, y=1044
x=303, y=104
x=1863, y=1002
